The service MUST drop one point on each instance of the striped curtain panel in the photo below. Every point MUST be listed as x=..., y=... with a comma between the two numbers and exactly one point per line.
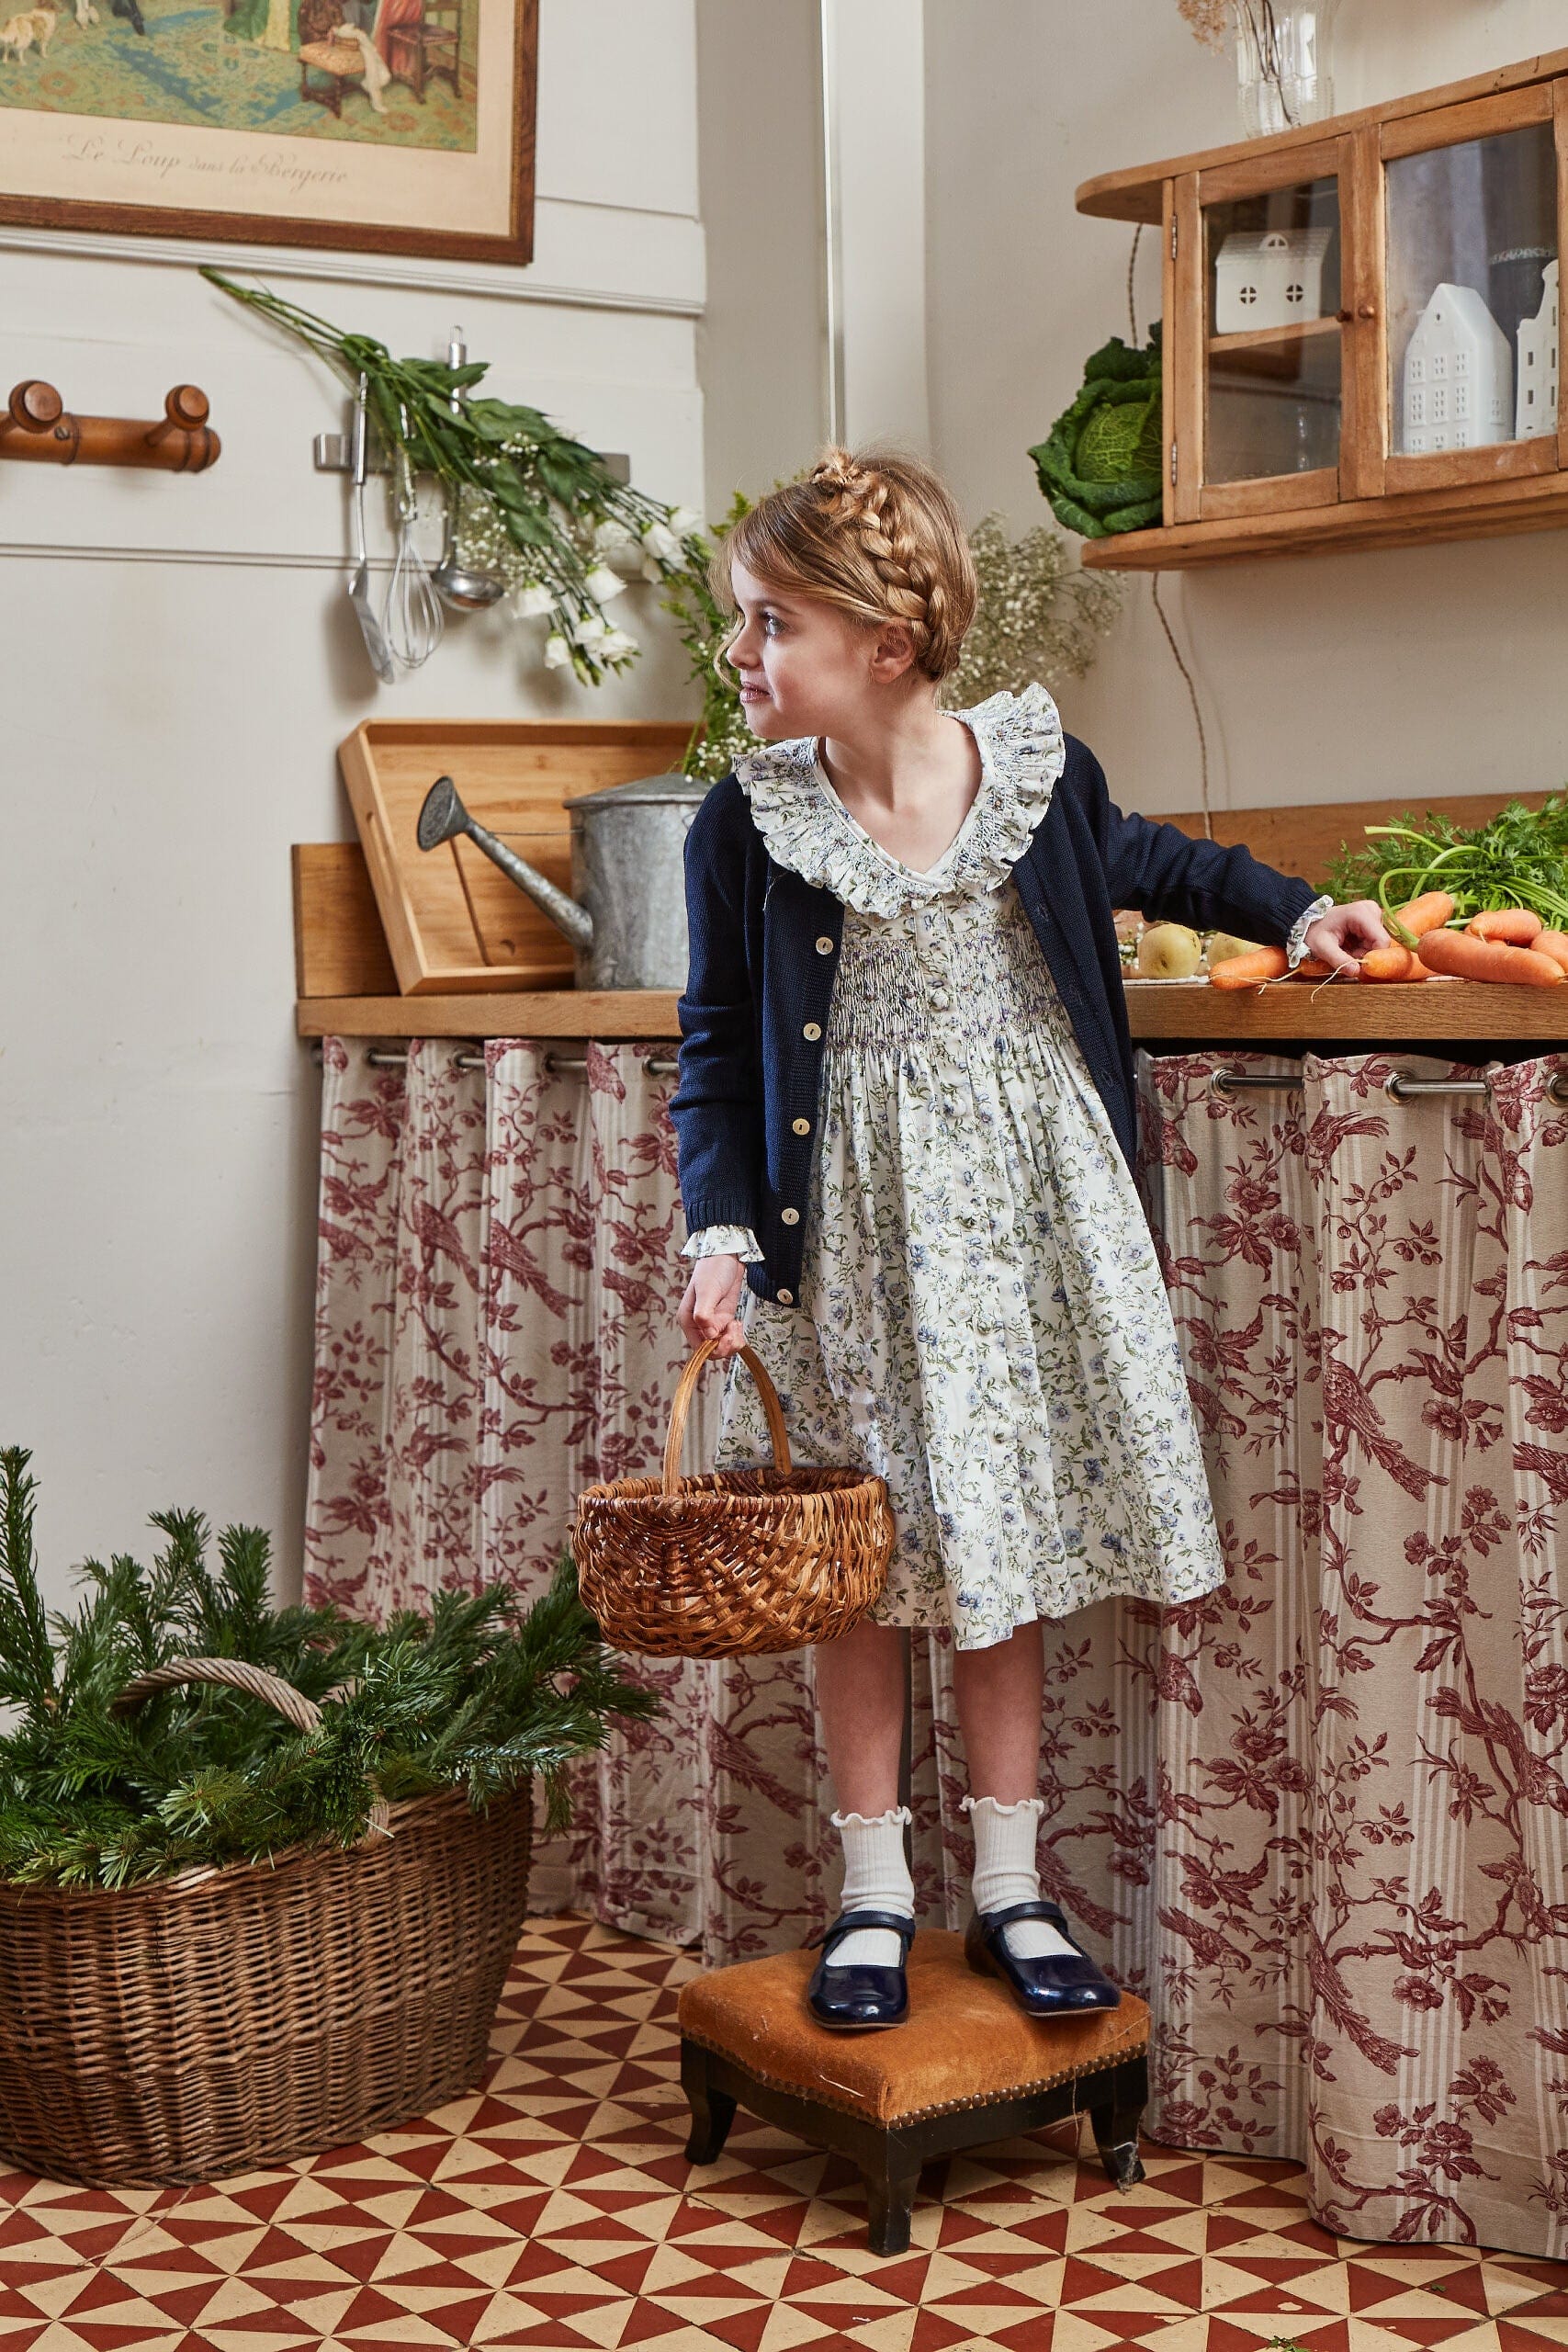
x=1318, y=1818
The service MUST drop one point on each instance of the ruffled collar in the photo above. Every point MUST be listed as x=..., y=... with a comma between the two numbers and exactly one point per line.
x=806, y=827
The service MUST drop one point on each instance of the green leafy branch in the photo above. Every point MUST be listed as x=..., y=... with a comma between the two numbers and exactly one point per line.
x=526, y=494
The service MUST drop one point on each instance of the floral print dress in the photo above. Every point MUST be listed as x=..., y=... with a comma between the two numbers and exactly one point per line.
x=982, y=1319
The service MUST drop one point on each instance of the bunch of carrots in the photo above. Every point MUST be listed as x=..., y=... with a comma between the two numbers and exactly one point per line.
x=1508, y=943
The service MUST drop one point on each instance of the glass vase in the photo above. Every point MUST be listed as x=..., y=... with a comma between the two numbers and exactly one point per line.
x=1284, y=62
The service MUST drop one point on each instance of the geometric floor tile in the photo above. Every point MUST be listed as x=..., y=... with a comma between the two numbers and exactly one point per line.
x=552, y=2207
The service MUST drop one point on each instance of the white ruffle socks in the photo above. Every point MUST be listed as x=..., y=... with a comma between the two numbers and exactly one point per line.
x=1005, y=1871
x=876, y=1878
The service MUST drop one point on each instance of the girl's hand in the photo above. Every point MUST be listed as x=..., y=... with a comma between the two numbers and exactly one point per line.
x=708, y=1308
x=1345, y=934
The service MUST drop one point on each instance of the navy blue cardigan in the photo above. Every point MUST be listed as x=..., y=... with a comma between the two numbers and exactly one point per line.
x=764, y=949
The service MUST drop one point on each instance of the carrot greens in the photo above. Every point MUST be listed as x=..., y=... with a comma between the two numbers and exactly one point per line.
x=1518, y=859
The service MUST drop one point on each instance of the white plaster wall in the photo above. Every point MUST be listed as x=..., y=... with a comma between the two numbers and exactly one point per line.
x=1424, y=670
x=180, y=664
x=759, y=344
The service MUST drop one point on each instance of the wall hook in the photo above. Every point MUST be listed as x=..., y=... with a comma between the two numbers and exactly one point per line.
x=36, y=425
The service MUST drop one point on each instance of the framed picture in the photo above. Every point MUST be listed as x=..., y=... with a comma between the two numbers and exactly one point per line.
x=391, y=126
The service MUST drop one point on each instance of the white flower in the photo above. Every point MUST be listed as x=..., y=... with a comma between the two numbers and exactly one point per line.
x=604, y=583
x=685, y=521
x=616, y=647
x=662, y=543
x=558, y=653
x=530, y=599
x=612, y=539
x=589, y=630
x=651, y=570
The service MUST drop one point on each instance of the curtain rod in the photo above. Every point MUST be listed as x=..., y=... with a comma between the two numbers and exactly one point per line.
x=1398, y=1086
x=387, y=1058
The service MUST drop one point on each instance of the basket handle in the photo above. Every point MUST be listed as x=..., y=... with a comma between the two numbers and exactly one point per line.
x=236, y=1674
x=293, y=1706
x=681, y=1407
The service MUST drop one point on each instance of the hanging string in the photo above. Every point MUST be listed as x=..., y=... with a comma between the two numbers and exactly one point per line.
x=1192, y=697
x=1153, y=584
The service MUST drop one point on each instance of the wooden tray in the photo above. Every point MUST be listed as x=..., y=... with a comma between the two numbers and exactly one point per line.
x=454, y=924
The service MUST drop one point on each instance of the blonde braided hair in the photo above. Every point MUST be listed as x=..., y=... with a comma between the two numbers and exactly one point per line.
x=874, y=533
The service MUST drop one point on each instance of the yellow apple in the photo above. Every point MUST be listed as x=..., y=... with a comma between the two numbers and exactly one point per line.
x=1168, y=951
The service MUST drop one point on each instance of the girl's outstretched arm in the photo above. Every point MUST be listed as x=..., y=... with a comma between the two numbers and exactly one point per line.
x=1168, y=874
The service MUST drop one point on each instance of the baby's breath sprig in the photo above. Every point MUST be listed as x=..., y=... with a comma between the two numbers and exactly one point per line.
x=1039, y=616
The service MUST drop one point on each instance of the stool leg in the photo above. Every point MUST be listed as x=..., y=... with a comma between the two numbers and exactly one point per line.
x=713, y=2111
x=890, y=2189
x=1116, y=2137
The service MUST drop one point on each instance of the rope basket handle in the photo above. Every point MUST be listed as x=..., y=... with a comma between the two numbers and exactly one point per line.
x=235, y=1673
x=682, y=1406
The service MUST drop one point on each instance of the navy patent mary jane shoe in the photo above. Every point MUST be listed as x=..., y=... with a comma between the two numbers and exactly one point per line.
x=1057, y=1985
x=859, y=1999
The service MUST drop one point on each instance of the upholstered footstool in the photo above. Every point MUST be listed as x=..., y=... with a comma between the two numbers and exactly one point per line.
x=965, y=2069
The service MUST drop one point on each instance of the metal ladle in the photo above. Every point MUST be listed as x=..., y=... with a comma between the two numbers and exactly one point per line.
x=464, y=591
x=376, y=644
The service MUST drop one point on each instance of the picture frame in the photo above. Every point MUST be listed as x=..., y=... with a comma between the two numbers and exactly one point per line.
x=383, y=125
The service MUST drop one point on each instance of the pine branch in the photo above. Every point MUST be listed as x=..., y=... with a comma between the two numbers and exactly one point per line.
x=26, y=1655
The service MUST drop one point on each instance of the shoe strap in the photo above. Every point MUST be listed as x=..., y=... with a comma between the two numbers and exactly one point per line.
x=1051, y=1913
x=848, y=1921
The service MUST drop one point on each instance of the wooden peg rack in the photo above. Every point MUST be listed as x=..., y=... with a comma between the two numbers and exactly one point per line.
x=37, y=427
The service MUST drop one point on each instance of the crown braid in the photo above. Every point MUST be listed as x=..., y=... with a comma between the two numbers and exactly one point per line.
x=862, y=499
x=875, y=533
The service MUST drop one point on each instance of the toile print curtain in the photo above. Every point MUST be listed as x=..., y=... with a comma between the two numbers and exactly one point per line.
x=1318, y=1819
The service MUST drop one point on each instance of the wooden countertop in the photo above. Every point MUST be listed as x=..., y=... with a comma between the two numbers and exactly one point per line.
x=605, y=1014
x=1158, y=1011
x=1408, y=1012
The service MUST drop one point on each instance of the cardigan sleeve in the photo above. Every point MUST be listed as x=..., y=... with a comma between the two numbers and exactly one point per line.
x=1169, y=875
x=717, y=1103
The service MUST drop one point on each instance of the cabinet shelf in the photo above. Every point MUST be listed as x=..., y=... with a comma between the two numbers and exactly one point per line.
x=1262, y=338
x=1420, y=399
x=1466, y=511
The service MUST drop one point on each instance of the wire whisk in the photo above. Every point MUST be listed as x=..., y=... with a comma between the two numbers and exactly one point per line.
x=414, y=620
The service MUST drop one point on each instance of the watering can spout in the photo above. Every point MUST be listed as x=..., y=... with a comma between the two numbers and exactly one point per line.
x=444, y=817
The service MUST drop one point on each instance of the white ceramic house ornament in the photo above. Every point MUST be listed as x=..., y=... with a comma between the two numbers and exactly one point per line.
x=1535, y=403
x=1458, y=376
x=1268, y=277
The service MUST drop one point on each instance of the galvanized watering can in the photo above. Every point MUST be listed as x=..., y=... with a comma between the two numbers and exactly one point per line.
x=627, y=915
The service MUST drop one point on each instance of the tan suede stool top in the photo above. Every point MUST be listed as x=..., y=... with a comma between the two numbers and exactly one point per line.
x=964, y=2044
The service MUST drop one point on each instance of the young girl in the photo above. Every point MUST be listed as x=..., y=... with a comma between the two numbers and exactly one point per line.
x=906, y=1121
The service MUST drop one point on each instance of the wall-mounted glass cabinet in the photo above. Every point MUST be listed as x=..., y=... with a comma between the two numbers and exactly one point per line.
x=1363, y=334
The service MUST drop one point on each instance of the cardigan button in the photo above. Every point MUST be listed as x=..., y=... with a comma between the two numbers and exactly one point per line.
x=786, y=1298
x=813, y=1030
x=789, y=1216
x=824, y=945
x=801, y=1126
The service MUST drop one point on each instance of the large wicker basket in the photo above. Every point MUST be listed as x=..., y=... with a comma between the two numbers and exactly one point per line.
x=193, y=2027
x=736, y=1563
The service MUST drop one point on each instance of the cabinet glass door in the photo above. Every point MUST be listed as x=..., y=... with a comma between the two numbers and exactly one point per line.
x=1472, y=302
x=1271, y=380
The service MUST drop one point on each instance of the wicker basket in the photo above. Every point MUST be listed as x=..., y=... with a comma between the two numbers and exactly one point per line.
x=739, y=1562
x=194, y=2026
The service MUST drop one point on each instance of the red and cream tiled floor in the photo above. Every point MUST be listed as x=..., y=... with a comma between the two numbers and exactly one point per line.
x=553, y=2209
